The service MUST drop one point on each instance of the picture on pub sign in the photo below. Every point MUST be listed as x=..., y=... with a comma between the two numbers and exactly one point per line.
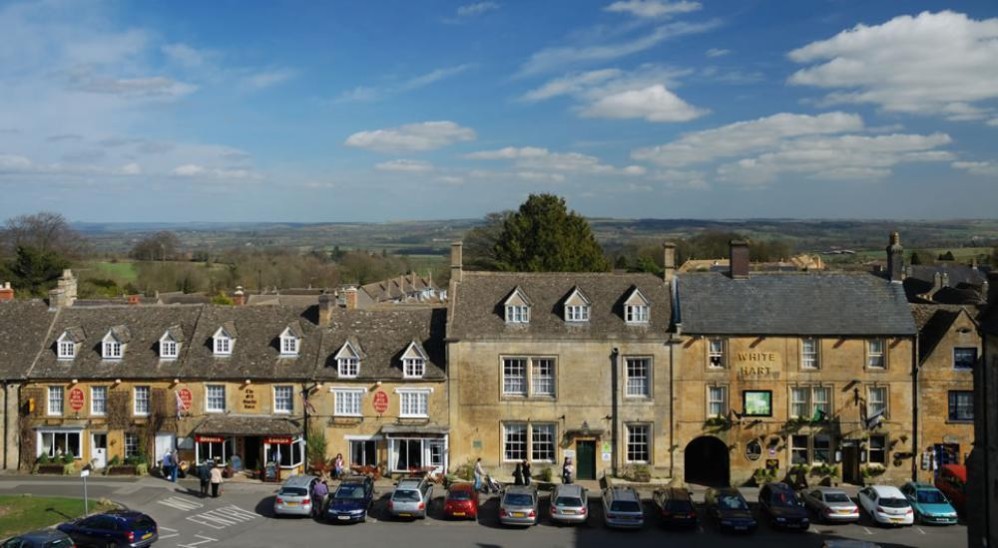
x=758, y=403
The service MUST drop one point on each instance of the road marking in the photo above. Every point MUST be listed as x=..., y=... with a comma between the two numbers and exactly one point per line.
x=192, y=544
x=173, y=533
x=181, y=503
x=919, y=529
x=868, y=532
x=223, y=517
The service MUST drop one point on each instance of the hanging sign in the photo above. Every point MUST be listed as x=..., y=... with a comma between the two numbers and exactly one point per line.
x=209, y=439
x=185, y=398
x=380, y=402
x=278, y=440
x=76, y=399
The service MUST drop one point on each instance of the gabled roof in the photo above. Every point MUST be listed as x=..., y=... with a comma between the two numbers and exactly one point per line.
x=293, y=329
x=636, y=298
x=934, y=321
x=414, y=350
x=517, y=297
x=119, y=333
x=175, y=332
x=227, y=329
x=576, y=297
x=74, y=334
x=821, y=304
x=478, y=313
x=24, y=326
x=351, y=349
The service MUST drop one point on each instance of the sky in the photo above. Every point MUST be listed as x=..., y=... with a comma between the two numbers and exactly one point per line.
x=174, y=111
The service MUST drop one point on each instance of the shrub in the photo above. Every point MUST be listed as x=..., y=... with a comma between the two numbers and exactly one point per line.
x=638, y=473
x=115, y=461
x=315, y=448
x=466, y=471
x=68, y=458
x=545, y=474
x=44, y=459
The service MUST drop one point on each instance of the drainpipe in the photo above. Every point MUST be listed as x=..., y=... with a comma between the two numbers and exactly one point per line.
x=915, y=424
x=6, y=419
x=614, y=354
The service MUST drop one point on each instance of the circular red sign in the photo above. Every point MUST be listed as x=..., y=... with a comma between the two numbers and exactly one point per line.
x=185, y=398
x=380, y=402
x=76, y=399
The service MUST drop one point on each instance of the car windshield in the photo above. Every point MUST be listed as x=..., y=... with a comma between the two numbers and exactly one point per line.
x=349, y=492
x=836, y=497
x=144, y=522
x=406, y=495
x=680, y=506
x=930, y=496
x=568, y=501
x=518, y=499
x=785, y=499
x=625, y=506
x=293, y=492
x=732, y=502
x=460, y=494
x=890, y=502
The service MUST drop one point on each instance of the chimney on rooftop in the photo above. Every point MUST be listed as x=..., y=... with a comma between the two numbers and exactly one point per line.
x=239, y=297
x=739, y=259
x=64, y=294
x=133, y=299
x=327, y=303
x=456, y=261
x=668, y=262
x=895, y=259
x=6, y=292
x=351, y=297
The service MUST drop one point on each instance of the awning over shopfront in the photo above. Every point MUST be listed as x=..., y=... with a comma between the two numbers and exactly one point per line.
x=247, y=426
x=395, y=430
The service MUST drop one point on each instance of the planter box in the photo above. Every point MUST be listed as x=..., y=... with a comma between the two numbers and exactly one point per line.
x=54, y=469
x=123, y=470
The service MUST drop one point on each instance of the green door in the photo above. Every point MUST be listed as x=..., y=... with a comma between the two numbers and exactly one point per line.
x=585, y=460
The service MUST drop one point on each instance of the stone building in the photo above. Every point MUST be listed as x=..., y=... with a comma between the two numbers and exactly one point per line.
x=982, y=466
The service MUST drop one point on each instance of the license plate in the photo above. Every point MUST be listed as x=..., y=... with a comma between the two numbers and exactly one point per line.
x=405, y=515
x=289, y=503
x=680, y=516
x=845, y=511
x=146, y=536
x=344, y=518
x=568, y=511
x=459, y=514
x=897, y=519
x=741, y=528
x=518, y=514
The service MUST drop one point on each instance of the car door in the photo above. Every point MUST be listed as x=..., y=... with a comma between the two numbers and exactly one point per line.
x=864, y=499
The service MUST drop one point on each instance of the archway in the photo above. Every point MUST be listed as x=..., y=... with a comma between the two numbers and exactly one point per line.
x=707, y=462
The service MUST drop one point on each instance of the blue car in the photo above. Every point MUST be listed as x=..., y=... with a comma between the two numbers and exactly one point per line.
x=120, y=528
x=351, y=500
x=930, y=504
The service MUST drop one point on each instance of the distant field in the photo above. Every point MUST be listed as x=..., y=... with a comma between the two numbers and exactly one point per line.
x=122, y=271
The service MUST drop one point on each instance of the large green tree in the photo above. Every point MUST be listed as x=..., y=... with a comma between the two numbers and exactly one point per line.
x=544, y=236
x=35, y=271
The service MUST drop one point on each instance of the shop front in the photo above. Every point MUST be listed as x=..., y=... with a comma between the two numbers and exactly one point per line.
x=252, y=444
x=416, y=449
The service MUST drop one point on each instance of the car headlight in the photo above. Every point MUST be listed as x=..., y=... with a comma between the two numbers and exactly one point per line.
x=781, y=519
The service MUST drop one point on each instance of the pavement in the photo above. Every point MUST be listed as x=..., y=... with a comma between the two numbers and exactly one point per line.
x=242, y=517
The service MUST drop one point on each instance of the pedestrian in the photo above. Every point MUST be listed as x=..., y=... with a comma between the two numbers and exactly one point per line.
x=216, y=480
x=175, y=468
x=338, y=466
x=567, y=471
x=166, y=466
x=319, y=492
x=518, y=474
x=479, y=474
x=204, y=476
x=527, y=476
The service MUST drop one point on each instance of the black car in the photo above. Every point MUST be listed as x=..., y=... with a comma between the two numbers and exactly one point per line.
x=675, y=507
x=122, y=528
x=781, y=505
x=730, y=509
x=351, y=500
x=46, y=538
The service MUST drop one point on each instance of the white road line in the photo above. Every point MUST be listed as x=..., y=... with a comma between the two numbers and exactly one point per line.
x=868, y=532
x=220, y=518
x=192, y=544
x=173, y=533
x=181, y=503
x=919, y=529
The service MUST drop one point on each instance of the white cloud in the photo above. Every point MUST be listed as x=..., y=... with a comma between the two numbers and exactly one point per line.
x=652, y=8
x=131, y=169
x=377, y=93
x=745, y=137
x=188, y=170
x=267, y=78
x=988, y=169
x=412, y=137
x=407, y=166
x=717, y=52
x=194, y=170
x=451, y=179
x=508, y=153
x=993, y=122
x=152, y=87
x=933, y=63
x=654, y=104
x=478, y=8
x=571, y=84
x=434, y=76
x=183, y=54
x=534, y=161
x=680, y=179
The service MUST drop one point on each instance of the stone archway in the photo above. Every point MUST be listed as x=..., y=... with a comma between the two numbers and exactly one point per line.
x=707, y=462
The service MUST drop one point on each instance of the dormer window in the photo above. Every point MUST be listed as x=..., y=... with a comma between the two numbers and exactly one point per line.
x=348, y=360
x=67, y=350
x=67, y=343
x=637, y=309
x=577, y=307
x=169, y=343
x=414, y=361
x=290, y=340
x=113, y=343
x=112, y=350
x=517, y=307
x=224, y=339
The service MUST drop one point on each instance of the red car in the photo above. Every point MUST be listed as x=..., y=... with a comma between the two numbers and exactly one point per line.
x=461, y=502
x=952, y=481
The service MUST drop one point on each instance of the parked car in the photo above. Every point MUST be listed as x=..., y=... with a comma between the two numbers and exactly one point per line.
x=518, y=506
x=411, y=498
x=569, y=504
x=780, y=504
x=122, y=528
x=461, y=501
x=930, y=504
x=676, y=507
x=951, y=479
x=295, y=496
x=622, y=508
x=886, y=505
x=351, y=500
x=46, y=538
x=730, y=509
x=830, y=505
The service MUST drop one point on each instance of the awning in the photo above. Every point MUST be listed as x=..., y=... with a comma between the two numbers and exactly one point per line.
x=395, y=430
x=247, y=426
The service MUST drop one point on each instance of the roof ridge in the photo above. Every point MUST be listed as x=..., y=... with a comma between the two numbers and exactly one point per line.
x=48, y=335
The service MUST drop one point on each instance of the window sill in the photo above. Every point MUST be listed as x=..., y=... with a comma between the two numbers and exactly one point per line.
x=960, y=421
x=415, y=417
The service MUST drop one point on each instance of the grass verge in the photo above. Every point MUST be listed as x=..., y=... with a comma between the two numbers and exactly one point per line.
x=23, y=513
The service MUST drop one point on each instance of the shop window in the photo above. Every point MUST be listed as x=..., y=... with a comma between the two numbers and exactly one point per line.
x=56, y=444
x=363, y=452
x=287, y=455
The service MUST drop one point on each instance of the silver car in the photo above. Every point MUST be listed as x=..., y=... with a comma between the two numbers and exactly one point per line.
x=569, y=504
x=622, y=508
x=295, y=496
x=830, y=505
x=411, y=498
x=518, y=506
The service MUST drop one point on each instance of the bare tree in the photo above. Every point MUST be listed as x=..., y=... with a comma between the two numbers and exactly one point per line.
x=44, y=231
x=161, y=246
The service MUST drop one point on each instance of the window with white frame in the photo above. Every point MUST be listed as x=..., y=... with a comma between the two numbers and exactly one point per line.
x=800, y=404
x=168, y=349
x=799, y=451
x=821, y=402
x=214, y=398
x=66, y=348
x=348, y=366
x=964, y=358
x=636, y=313
x=132, y=445
x=112, y=350
x=717, y=401
x=577, y=313
x=638, y=372
x=806, y=449
x=877, y=448
x=810, y=402
x=542, y=377
x=542, y=442
x=289, y=346
x=347, y=402
x=413, y=368
x=98, y=400
x=284, y=399
x=517, y=313
x=55, y=443
x=532, y=376
x=140, y=403
x=414, y=403
x=715, y=353
x=638, y=443
x=514, y=376
x=223, y=344
x=809, y=353
x=515, y=442
x=875, y=354
x=55, y=401
x=876, y=401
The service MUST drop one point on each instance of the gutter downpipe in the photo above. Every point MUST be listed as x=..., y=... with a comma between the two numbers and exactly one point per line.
x=916, y=369
x=613, y=410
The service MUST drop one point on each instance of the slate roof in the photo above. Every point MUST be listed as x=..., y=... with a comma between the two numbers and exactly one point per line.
x=478, y=312
x=933, y=322
x=256, y=350
x=234, y=425
x=146, y=324
x=832, y=304
x=23, y=327
x=383, y=336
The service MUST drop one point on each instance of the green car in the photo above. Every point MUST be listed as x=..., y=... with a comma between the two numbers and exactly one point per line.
x=929, y=503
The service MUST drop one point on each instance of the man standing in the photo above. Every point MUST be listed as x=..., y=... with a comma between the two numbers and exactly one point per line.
x=216, y=480
x=319, y=492
x=167, y=466
x=479, y=474
x=204, y=475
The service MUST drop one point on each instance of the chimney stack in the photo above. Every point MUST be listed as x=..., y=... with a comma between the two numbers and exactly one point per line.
x=351, y=297
x=64, y=294
x=739, y=259
x=239, y=297
x=327, y=303
x=6, y=293
x=668, y=262
x=456, y=261
x=133, y=299
x=895, y=259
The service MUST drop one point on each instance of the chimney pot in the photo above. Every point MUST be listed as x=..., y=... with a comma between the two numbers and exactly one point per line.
x=6, y=292
x=457, y=261
x=239, y=296
x=739, y=259
x=668, y=261
x=327, y=303
x=895, y=259
x=351, y=297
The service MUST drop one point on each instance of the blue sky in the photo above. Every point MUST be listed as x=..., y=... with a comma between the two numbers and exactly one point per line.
x=392, y=110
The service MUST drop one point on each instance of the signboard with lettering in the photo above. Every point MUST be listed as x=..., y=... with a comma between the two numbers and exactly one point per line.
x=380, y=402
x=185, y=398
x=758, y=365
x=753, y=450
x=249, y=399
x=278, y=440
x=76, y=399
x=209, y=439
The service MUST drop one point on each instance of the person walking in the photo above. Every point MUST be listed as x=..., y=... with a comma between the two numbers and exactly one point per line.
x=567, y=470
x=204, y=476
x=319, y=492
x=479, y=474
x=216, y=480
x=518, y=474
x=338, y=466
x=174, y=470
x=527, y=476
x=166, y=466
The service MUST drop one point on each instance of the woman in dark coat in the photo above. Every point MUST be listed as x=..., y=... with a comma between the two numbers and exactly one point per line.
x=518, y=475
x=527, y=476
x=204, y=475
